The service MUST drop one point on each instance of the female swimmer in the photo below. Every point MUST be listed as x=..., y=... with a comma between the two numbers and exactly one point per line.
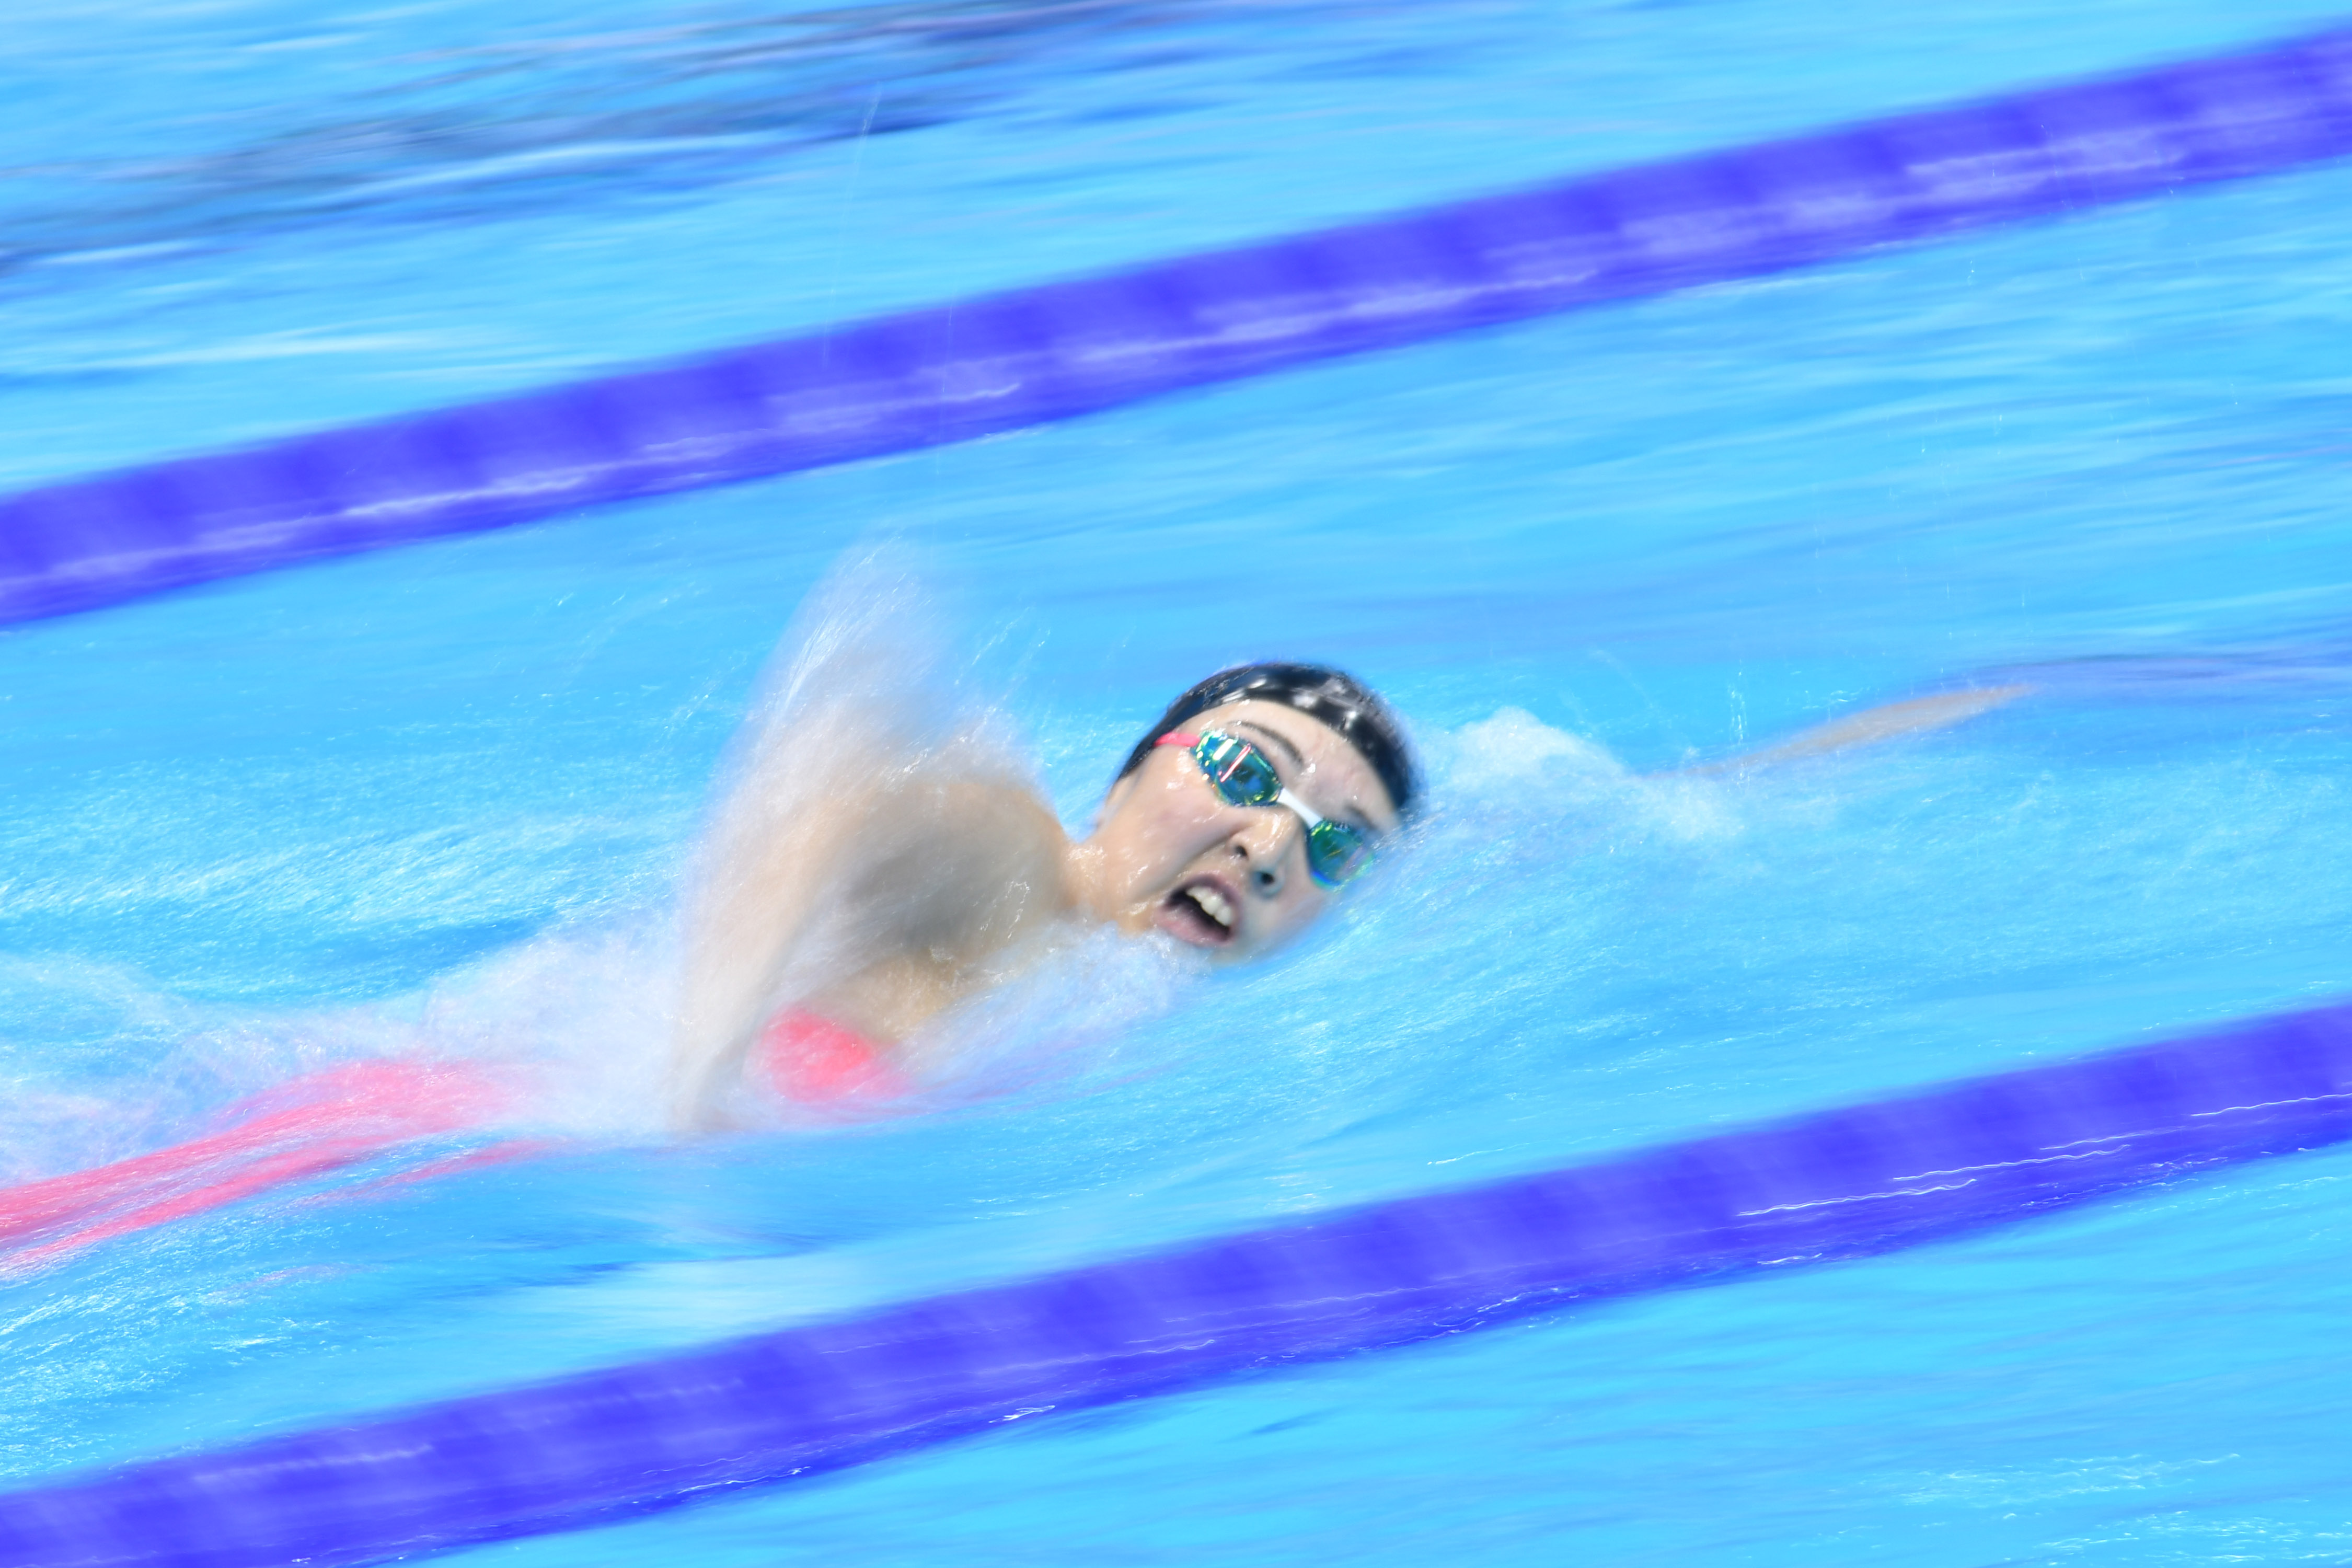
x=859, y=882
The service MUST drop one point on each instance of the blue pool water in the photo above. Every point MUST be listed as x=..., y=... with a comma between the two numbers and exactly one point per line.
x=438, y=799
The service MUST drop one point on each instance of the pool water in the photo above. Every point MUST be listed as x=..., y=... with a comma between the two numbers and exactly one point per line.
x=437, y=800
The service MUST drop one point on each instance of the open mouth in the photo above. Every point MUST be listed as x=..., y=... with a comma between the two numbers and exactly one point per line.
x=1202, y=912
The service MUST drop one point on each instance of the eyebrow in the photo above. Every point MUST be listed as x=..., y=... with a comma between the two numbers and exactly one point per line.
x=1349, y=806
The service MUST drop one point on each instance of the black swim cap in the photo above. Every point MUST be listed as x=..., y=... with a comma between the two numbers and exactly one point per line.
x=1337, y=700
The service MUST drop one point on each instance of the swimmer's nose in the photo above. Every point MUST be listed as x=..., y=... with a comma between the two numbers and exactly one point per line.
x=1265, y=845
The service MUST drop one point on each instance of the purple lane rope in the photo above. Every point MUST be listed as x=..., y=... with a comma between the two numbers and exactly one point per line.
x=966, y=368
x=608, y=1445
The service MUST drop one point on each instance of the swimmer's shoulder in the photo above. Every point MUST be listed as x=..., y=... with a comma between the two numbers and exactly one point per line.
x=996, y=815
x=974, y=875
x=965, y=863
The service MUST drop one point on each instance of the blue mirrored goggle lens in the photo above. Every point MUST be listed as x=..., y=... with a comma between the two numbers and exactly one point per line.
x=1336, y=852
x=1239, y=770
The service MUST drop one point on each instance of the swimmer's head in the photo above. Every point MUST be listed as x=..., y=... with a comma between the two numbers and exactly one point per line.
x=1332, y=697
x=1173, y=852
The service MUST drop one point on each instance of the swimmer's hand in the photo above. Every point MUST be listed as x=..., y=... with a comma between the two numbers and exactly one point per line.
x=1915, y=716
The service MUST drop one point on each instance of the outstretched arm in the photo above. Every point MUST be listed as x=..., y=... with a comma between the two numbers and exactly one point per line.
x=1911, y=717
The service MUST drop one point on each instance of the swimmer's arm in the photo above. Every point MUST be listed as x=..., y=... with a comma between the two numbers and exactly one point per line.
x=1916, y=716
x=917, y=883
x=964, y=868
x=766, y=862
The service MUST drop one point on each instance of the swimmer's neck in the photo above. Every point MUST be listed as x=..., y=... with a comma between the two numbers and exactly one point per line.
x=1090, y=893
x=1085, y=881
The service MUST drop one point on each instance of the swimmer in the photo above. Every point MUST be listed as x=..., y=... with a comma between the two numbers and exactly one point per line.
x=867, y=873
x=859, y=883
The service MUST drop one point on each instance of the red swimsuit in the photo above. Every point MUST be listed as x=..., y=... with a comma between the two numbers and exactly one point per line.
x=814, y=1061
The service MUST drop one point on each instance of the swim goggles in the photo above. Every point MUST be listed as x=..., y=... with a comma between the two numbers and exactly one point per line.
x=1243, y=775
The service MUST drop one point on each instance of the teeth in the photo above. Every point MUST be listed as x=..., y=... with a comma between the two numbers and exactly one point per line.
x=1214, y=905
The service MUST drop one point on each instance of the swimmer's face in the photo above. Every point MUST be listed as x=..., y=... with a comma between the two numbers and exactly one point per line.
x=1173, y=856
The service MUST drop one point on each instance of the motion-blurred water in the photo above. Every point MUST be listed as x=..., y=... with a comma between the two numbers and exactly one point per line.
x=438, y=799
